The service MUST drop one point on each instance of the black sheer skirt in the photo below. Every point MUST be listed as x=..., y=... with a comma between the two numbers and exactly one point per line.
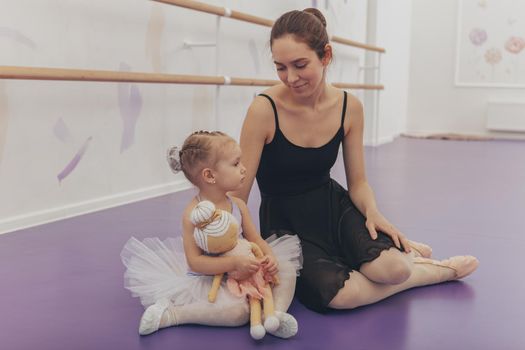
x=333, y=236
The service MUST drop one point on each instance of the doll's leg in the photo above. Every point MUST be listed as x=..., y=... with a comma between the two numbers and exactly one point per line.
x=212, y=294
x=165, y=314
x=257, y=330
x=271, y=322
x=358, y=290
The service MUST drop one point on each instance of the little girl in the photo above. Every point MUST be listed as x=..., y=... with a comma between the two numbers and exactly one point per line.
x=173, y=277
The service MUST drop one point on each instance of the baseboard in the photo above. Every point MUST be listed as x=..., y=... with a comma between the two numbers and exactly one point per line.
x=471, y=136
x=59, y=213
x=380, y=141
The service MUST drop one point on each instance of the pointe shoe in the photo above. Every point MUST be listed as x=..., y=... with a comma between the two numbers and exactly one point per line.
x=150, y=320
x=422, y=249
x=287, y=325
x=463, y=265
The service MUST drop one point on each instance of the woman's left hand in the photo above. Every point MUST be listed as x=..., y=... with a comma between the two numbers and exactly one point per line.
x=375, y=221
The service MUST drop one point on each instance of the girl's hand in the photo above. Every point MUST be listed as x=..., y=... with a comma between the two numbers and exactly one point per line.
x=245, y=266
x=375, y=221
x=270, y=264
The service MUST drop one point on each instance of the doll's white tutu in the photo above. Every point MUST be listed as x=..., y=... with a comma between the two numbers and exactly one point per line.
x=158, y=269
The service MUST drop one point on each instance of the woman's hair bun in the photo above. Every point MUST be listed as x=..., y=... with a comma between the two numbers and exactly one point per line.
x=316, y=13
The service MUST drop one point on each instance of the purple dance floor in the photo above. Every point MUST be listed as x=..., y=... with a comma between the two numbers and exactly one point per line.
x=62, y=283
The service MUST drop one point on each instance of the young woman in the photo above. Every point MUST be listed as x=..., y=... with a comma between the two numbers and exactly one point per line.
x=290, y=139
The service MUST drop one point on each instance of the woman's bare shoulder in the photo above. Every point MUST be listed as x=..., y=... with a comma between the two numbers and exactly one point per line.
x=275, y=91
x=260, y=113
x=354, y=108
x=351, y=100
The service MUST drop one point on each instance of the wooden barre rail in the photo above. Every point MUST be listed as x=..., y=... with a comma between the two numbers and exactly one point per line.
x=221, y=11
x=66, y=74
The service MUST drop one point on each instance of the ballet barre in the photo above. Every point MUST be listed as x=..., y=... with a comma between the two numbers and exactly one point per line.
x=219, y=11
x=226, y=12
x=67, y=74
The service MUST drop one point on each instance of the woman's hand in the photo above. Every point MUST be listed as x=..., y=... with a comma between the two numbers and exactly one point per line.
x=245, y=266
x=270, y=264
x=375, y=221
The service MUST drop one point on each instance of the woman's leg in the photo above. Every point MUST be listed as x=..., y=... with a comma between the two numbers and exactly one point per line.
x=359, y=290
x=420, y=249
x=391, y=267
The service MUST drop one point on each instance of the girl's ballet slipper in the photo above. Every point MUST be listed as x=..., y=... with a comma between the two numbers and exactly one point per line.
x=421, y=249
x=463, y=265
x=287, y=325
x=150, y=320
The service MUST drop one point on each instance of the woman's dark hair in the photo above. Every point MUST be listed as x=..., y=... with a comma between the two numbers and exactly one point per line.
x=308, y=26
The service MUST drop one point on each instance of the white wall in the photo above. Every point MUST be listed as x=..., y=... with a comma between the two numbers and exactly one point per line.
x=393, y=25
x=435, y=104
x=44, y=125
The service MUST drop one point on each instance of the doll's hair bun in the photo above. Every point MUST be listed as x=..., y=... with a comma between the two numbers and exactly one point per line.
x=202, y=213
x=209, y=221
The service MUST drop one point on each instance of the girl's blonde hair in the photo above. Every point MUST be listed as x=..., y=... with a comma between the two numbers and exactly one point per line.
x=200, y=149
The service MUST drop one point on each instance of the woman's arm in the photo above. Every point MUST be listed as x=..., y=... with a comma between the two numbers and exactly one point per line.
x=359, y=190
x=256, y=129
x=353, y=154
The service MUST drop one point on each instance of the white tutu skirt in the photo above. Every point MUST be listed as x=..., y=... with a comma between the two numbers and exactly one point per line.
x=158, y=269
